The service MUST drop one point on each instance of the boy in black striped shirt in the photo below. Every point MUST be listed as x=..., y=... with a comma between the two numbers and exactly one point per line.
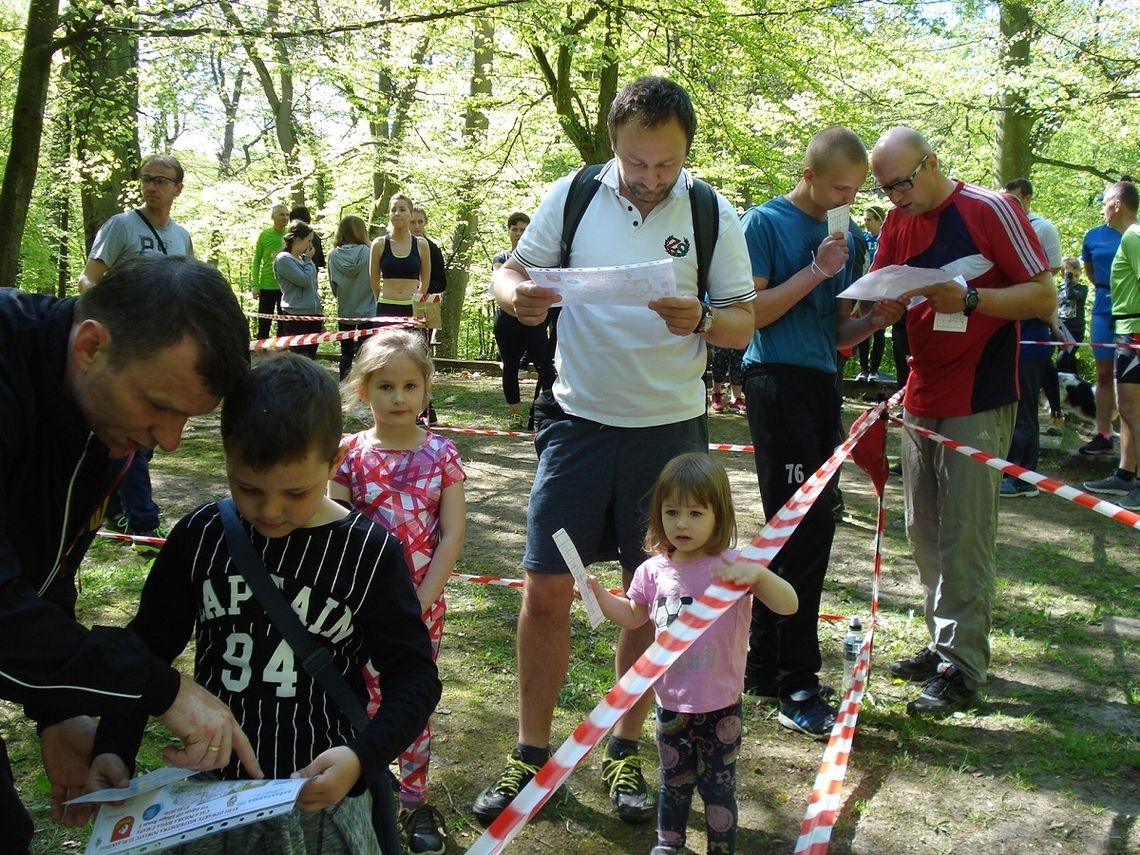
x=346, y=579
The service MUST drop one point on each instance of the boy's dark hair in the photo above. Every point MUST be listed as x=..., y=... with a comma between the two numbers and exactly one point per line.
x=155, y=301
x=651, y=102
x=517, y=217
x=286, y=408
x=1022, y=186
x=300, y=212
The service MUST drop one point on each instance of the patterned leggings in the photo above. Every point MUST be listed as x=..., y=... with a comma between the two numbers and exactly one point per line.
x=698, y=750
x=415, y=758
x=728, y=364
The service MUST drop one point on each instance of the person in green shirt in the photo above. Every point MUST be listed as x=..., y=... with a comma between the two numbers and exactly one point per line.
x=1124, y=285
x=262, y=281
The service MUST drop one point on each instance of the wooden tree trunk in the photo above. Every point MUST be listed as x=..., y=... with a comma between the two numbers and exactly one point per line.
x=103, y=73
x=1013, y=157
x=475, y=126
x=27, y=132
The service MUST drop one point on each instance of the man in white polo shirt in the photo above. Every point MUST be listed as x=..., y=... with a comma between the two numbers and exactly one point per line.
x=629, y=397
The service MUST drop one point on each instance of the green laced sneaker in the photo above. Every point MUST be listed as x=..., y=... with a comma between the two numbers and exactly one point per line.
x=629, y=793
x=491, y=802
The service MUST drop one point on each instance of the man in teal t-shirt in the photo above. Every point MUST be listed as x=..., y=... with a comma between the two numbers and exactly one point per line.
x=264, y=284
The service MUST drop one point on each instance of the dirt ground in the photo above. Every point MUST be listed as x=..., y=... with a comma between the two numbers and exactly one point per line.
x=1050, y=761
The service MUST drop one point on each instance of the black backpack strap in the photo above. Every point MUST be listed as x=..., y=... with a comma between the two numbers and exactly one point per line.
x=153, y=230
x=706, y=230
x=702, y=201
x=315, y=658
x=583, y=188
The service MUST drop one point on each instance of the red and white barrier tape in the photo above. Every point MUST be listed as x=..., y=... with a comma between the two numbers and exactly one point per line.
x=379, y=319
x=670, y=644
x=467, y=431
x=283, y=341
x=494, y=581
x=823, y=804
x=525, y=434
x=1110, y=345
x=1051, y=485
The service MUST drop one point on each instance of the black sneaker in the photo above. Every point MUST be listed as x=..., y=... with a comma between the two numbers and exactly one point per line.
x=118, y=524
x=943, y=693
x=629, y=793
x=918, y=668
x=491, y=802
x=809, y=715
x=423, y=830
x=1099, y=446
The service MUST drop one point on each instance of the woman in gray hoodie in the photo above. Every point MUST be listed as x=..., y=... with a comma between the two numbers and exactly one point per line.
x=297, y=276
x=350, y=281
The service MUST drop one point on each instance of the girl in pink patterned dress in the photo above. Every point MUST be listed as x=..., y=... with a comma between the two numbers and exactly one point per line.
x=410, y=481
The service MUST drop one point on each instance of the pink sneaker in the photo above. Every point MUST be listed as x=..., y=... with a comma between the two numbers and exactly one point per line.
x=717, y=403
x=738, y=405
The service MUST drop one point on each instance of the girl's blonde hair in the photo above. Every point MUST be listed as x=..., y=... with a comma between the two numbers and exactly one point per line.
x=379, y=350
x=693, y=477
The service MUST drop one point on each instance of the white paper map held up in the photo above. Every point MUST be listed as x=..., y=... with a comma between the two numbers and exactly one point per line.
x=838, y=220
x=623, y=285
x=185, y=811
x=142, y=784
x=578, y=571
x=893, y=281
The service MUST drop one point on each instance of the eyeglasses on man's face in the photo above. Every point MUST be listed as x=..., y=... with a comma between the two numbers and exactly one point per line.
x=159, y=181
x=902, y=186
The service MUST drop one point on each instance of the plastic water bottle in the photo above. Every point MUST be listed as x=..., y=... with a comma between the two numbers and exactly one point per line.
x=851, y=644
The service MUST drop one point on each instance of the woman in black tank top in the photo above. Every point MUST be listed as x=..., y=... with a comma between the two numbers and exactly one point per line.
x=399, y=265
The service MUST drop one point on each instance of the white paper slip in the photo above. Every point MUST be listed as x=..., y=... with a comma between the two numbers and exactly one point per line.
x=137, y=786
x=578, y=571
x=893, y=281
x=622, y=285
x=838, y=220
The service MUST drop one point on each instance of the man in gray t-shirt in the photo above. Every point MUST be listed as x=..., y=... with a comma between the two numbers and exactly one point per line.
x=142, y=231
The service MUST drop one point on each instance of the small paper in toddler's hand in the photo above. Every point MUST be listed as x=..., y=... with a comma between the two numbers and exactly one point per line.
x=578, y=571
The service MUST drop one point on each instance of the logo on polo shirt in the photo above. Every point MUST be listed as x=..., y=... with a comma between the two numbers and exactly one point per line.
x=677, y=247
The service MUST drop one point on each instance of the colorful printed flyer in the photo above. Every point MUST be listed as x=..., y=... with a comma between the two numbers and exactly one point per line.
x=183, y=811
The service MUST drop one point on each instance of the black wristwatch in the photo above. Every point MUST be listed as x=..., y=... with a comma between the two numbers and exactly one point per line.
x=706, y=321
x=971, y=300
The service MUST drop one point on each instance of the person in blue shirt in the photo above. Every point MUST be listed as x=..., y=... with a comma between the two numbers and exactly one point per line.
x=798, y=268
x=1097, y=251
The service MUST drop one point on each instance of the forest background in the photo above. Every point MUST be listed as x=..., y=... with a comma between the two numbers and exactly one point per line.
x=472, y=108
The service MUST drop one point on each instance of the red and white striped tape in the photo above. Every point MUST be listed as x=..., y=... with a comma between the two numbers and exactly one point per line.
x=269, y=316
x=525, y=434
x=669, y=645
x=1051, y=485
x=1109, y=345
x=823, y=804
x=283, y=341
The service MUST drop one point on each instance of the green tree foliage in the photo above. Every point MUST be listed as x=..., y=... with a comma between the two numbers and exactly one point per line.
x=340, y=105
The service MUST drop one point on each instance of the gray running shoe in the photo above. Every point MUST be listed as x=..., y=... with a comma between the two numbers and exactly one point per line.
x=1113, y=485
x=1131, y=502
